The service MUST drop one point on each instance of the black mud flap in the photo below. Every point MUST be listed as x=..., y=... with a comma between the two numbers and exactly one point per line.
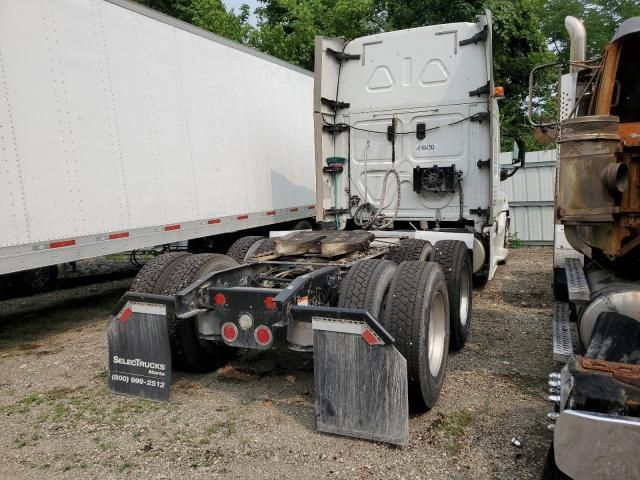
x=360, y=380
x=139, y=351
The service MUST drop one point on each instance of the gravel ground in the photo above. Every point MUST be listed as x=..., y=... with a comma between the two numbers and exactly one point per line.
x=254, y=418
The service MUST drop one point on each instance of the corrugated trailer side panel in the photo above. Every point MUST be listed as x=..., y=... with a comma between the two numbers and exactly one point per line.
x=112, y=120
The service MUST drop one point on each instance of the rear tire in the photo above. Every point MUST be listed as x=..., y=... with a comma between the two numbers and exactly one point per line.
x=188, y=351
x=152, y=277
x=453, y=257
x=409, y=249
x=238, y=251
x=550, y=470
x=366, y=285
x=303, y=225
x=480, y=279
x=259, y=248
x=417, y=316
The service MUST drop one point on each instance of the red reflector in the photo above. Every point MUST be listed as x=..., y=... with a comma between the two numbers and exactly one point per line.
x=213, y=220
x=242, y=217
x=270, y=303
x=295, y=209
x=172, y=227
x=369, y=337
x=219, y=299
x=125, y=315
x=262, y=335
x=63, y=243
x=115, y=236
x=271, y=212
x=229, y=332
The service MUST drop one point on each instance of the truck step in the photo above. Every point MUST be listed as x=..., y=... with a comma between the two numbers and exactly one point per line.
x=562, y=344
x=577, y=285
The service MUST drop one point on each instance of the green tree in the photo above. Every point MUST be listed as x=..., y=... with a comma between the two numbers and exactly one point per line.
x=518, y=46
x=212, y=15
x=287, y=28
x=176, y=8
x=601, y=19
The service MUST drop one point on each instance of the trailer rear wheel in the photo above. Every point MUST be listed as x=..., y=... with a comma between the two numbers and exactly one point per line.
x=453, y=257
x=39, y=280
x=366, y=284
x=408, y=249
x=303, y=225
x=238, y=251
x=152, y=277
x=188, y=351
x=417, y=316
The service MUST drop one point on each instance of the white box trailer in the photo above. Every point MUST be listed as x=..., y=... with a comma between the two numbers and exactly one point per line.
x=122, y=128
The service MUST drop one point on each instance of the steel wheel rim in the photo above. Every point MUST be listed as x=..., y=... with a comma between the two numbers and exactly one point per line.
x=40, y=278
x=464, y=294
x=437, y=334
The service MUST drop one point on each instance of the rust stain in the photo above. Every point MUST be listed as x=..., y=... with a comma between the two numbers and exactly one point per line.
x=624, y=372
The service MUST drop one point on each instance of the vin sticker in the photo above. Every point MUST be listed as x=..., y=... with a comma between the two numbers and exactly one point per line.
x=426, y=147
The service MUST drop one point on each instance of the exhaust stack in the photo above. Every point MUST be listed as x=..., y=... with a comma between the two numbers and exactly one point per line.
x=578, y=36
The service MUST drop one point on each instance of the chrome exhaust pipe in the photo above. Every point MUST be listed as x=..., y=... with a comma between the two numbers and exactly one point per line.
x=578, y=36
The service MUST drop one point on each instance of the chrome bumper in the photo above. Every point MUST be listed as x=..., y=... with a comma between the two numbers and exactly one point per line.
x=596, y=446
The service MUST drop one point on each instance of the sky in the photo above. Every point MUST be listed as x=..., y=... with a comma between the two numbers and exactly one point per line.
x=235, y=4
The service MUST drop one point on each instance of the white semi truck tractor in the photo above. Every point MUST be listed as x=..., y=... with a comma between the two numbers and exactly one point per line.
x=596, y=326
x=407, y=178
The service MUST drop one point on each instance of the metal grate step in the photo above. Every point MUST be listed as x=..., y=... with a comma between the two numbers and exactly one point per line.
x=577, y=285
x=562, y=344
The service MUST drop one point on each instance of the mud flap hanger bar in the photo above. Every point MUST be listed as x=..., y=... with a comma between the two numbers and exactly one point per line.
x=169, y=301
x=303, y=313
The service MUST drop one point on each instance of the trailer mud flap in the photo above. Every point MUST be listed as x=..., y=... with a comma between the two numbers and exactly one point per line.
x=360, y=382
x=139, y=350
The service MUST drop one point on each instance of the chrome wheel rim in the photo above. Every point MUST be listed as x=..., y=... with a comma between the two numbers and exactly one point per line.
x=437, y=334
x=464, y=294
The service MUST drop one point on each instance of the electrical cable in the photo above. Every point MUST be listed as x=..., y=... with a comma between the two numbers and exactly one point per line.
x=351, y=127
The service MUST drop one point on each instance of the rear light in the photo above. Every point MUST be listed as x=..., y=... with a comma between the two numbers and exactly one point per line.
x=270, y=303
x=229, y=332
x=263, y=336
x=219, y=299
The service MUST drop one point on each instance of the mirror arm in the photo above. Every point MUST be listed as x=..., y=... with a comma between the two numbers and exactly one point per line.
x=504, y=175
x=530, y=99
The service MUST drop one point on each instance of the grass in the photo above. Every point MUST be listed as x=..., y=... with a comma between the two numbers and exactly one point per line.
x=227, y=427
x=85, y=405
x=23, y=405
x=104, y=445
x=16, y=332
x=124, y=467
x=514, y=241
x=452, y=428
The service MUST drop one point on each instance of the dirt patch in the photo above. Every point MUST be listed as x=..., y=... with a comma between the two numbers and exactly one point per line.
x=255, y=418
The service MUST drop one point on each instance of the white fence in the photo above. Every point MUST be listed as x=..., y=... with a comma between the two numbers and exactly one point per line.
x=530, y=193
